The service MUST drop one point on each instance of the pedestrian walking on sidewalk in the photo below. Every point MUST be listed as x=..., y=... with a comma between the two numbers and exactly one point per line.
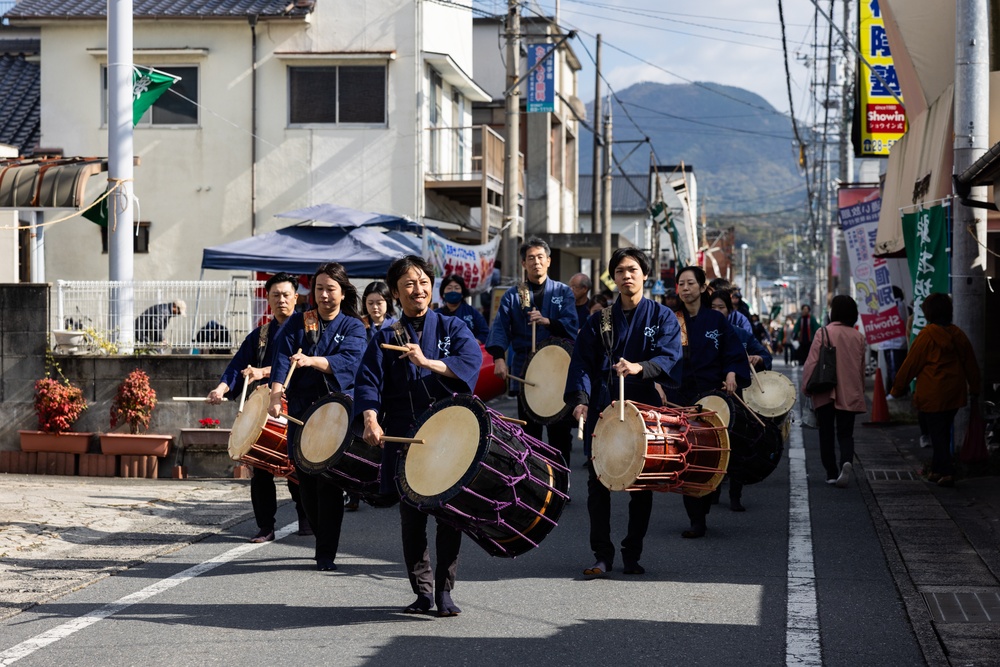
x=838, y=406
x=944, y=364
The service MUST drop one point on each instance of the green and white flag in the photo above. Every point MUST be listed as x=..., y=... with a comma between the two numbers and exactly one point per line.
x=926, y=234
x=663, y=220
x=147, y=86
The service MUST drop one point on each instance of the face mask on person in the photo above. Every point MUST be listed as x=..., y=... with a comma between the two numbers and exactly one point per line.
x=453, y=297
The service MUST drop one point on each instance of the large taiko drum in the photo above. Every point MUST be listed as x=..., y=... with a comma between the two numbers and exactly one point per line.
x=755, y=447
x=682, y=450
x=258, y=440
x=771, y=395
x=484, y=475
x=488, y=386
x=545, y=373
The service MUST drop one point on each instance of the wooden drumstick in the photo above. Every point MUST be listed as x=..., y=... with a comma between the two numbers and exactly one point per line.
x=408, y=441
x=754, y=371
x=288, y=378
x=192, y=399
x=395, y=348
x=533, y=347
x=521, y=380
x=621, y=395
x=243, y=394
x=513, y=420
x=749, y=409
x=579, y=427
x=291, y=418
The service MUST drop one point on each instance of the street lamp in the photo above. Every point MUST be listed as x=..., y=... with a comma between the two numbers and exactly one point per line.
x=743, y=248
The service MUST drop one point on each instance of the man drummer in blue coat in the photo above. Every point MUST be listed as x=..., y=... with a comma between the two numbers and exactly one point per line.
x=551, y=307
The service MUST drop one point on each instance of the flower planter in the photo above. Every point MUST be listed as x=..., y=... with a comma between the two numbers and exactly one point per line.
x=205, y=452
x=66, y=443
x=207, y=438
x=135, y=444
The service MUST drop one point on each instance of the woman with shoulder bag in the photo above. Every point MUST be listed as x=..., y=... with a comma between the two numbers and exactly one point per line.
x=838, y=405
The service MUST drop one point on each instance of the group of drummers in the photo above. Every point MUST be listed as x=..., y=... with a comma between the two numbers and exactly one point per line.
x=383, y=409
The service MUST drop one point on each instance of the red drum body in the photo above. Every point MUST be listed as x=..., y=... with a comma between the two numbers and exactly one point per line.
x=546, y=371
x=660, y=449
x=484, y=475
x=488, y=386
x=258, y=440
x=755, y=449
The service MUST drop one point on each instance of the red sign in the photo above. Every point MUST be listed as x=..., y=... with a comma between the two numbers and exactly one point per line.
x=885, y=118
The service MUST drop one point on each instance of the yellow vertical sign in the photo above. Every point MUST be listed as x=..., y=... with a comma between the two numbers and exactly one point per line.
x=883, y=119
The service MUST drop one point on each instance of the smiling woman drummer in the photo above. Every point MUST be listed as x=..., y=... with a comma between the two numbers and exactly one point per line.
x=393, y=389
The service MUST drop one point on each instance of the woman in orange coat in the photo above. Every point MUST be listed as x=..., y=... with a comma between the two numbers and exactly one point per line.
x=839, y=405
x=944, y=364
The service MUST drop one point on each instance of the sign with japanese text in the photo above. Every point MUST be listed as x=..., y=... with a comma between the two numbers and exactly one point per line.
x=542, y=80
x=926, y=234
x=883, y=118
x=473, y=262
x=880, y=316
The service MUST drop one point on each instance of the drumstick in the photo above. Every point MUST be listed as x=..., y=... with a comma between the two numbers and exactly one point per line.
x=579, y=427
x=243, y=395
x=409, y=441
x=533, y=350
x=521, y=380
x=513, y=420
x=288, y=378
x=754, y=371
x=621, y=394
x=395, y=348
x=291, y=418
x=749, y=409
x=192, y=399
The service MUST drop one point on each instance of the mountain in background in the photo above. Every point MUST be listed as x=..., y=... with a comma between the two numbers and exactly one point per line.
x=741, y=148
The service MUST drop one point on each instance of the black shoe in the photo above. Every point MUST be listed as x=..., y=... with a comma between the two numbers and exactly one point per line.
x=736, y=506
x=421, y=605
x=325, y=564
x=633, y=567
x=350, y=503
x=445, y=606
x=694, y=532
x=263, y=536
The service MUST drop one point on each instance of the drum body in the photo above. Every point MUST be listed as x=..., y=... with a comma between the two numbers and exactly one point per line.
x=660, y=449
x=547, y=370
x=259, y=440
x=488, y=386
x=484, y=475
x=755, y=449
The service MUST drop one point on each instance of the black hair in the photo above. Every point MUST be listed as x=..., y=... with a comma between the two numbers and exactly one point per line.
x=401, y=266
x=937, y=308
x=699, y=273
x=281, y=278
x=726, y=296
x=533, y=242
x=720, y=283
x=454, y=278
x=338, y=273
x=618, y=255
x=844, y=309
x=380, y=288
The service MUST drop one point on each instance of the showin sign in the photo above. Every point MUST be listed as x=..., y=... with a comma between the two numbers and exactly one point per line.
x=880, y=316
x=926, y=234
x=473, y=262
x=882, y=116
x=542, y=80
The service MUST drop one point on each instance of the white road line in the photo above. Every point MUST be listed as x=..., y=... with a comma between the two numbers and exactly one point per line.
x=29, y=646
x=802, y=642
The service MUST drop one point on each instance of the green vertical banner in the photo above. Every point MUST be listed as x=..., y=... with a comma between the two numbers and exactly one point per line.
x=147, y=86
x=926, y=234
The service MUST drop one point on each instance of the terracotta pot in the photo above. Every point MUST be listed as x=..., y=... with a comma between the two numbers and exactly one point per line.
x=66, y=443
x=135, y=445
x=211, y=438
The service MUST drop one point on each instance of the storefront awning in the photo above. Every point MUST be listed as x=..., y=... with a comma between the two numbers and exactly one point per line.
x=47, y=182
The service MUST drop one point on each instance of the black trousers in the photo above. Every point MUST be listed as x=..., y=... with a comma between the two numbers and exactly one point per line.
x=323, y=502
x=640, y=506
x=264, y=498
x=416, y=555
x=560, y=433
x=826, y=417
x=698, y=508
x=938, y=426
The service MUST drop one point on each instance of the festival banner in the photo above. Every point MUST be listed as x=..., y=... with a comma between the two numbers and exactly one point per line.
x=882, y=117
x=926, y=234
x=147, y=86
x=542, y=80
x=473, y=262
x=880, y=316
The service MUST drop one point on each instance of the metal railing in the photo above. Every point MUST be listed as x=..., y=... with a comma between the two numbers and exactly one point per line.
x=185, y=316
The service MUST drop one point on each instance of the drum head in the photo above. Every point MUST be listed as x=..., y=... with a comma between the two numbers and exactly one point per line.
x=325, y=430
x=249, y=423
x=547, y=370
x=719, y=405
x=770, y=394
x=619, y=447
x=451, y=441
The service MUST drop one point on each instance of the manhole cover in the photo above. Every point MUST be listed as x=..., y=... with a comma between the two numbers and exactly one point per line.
x=981, y=607
x=891, y=475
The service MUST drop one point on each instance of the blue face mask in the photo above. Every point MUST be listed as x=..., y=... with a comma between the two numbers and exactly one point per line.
x=453, y=297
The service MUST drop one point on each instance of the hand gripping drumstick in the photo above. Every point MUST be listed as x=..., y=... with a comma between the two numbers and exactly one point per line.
x=288, y=378
x=243, y=395
x=754, y=371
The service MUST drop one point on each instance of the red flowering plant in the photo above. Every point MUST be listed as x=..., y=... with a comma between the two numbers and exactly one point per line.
x=208, y=422
x=58, y=405
x=134, y=402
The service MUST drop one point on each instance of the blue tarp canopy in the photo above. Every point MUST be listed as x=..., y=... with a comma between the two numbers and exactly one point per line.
x=300, y=249
x=343, y=216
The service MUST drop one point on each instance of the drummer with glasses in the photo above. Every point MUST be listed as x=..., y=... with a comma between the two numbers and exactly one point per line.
x=393, y=389
x=639, y=339
x=325, y=344
x=551, y=306
x=252, y=363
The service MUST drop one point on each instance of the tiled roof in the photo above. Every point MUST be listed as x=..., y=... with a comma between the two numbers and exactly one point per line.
x=20, y=103
x=20, y=46
x=65, y=9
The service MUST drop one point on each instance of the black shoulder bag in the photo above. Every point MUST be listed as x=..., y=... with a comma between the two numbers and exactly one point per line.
x=824, y=376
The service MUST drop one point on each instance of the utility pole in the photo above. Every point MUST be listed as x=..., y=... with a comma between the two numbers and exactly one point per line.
x=972, y=117
x=512, y=145
x=843, y=261
x=120, y=169
x=606, y=197
x=595, y=190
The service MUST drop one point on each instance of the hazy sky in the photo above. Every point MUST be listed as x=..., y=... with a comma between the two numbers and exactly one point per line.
x=733, y=42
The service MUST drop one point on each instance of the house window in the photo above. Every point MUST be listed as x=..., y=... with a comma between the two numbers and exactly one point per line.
x=140, y=240
x=340, y=94
x=171, y=108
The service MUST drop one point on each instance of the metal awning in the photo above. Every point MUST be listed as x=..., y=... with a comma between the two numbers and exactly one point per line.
x=42, y=183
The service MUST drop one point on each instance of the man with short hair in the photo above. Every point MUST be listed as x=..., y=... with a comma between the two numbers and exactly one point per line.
x=153, y=321
x=550, y=306
x=581, y=284
x=252, y=363
x=804, y=330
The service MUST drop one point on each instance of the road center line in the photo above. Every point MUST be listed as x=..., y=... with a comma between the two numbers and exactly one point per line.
x=802, y=641
x=29, y=646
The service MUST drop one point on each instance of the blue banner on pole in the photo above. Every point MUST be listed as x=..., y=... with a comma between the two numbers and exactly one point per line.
x=541, y=82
